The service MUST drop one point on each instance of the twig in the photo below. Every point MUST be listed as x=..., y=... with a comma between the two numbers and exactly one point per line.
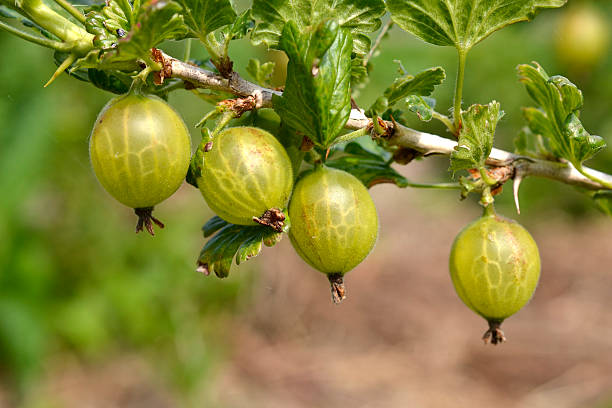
x=377, y=42
x=425, y=143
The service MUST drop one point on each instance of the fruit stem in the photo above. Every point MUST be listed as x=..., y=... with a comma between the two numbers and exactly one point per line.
x=350, y=136
x=338, y=290
x=494, y=334
x=486, y=200
x=489, y=211
x=146, y=220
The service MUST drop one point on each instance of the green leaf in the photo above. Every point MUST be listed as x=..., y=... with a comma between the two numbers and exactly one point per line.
x=213, y=225
x=127, y=31
x=111, y=22
x=205, y=16
x=240, y=27
x=584, y=145
x=369, y=167
x=422, y=106
x=556, y=118
x=158, y=20
x=231, y=242
x=476, y=137
x=359, y=72
x=462, y=23
x=261, y=73
x=317, y=96
x=195, y=165
x=155, y=21
x=524, y=143
x=117, y=82
x=360, y=17
x=409, y=89
x=422, y=84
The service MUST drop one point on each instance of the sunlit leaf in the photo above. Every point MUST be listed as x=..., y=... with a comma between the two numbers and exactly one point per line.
x=422, y=84
x=462, y=23
x=317, y=99
x=360, y=17
x=556, y=118
x=476, y=137
x=205, y=16
x=422, y=106
x=239, y=242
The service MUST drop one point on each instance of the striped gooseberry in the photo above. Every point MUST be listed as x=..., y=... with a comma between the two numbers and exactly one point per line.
x=334, y=224
x=246, y=177
x=139, y=149
x=495, y=267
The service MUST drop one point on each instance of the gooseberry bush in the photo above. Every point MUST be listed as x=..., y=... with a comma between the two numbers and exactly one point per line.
x=299, y=159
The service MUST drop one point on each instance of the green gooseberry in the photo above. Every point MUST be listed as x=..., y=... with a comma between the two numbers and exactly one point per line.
x=334, y=224
x=495, y=267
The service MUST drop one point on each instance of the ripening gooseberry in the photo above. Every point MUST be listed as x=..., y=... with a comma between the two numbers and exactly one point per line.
x=334, y=224
x=495, y=267
x=246, y=177
x=139, y=149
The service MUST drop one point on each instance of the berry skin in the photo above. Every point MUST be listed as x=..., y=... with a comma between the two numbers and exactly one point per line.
x=139, y=150
x=495, y=267
x=583, y=37
x=246, y=177
x=334, y=224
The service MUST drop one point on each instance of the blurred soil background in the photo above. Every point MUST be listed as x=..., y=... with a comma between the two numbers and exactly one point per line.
x=94, y=316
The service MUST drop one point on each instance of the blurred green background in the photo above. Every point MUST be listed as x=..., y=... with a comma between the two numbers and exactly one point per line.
x=79, y=289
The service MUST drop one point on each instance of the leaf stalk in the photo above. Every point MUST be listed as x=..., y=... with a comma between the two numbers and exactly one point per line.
x=45, y=42
x=462, y=55
x=74, y=12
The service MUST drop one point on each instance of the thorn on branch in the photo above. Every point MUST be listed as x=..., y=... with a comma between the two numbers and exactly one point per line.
x=518, y=178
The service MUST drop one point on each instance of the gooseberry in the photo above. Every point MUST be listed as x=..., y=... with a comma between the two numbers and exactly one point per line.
x=334, y=224
x=495, y=267
x=139, y=149
x=583, y=37
x=246, y=177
